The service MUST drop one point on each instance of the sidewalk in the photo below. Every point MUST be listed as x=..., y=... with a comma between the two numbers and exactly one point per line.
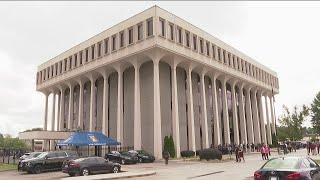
x=121, y=175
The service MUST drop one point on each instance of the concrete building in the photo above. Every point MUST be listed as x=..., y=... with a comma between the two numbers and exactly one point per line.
x=155, y=75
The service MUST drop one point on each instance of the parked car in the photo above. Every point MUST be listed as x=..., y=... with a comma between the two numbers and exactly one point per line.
x=142, y=155
x=90, y=165
x=28, y=156
x=46, y=161
x=289, y=168
x=122, y=158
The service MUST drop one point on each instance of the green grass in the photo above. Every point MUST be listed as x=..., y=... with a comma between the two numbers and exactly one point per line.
x=6, y=167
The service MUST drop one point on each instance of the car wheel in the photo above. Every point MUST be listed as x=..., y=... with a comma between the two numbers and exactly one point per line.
x=85, y=172
x=140, y=160
x=115, y=169
x=37, y=169
x=122, y=161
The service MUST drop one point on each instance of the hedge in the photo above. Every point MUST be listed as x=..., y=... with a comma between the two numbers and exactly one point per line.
x=187, y=153
x=210, y=154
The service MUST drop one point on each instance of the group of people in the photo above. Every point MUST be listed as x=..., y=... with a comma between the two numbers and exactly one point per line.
x=265, y=152
x=313, y=148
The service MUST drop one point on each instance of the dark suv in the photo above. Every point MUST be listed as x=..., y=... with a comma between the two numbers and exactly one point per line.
x=47, y=161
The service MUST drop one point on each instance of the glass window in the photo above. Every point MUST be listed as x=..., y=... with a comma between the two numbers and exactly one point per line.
x=187, y=39
x=114, y=42
x=92, y=51
x=162, y=27
x=194, y=42
x=80, y=57
x=312, y=163
x=179, y=35
x=121, y=39
x=201, y=46
x=140, y=31
x=171, y=31
x=75, y=60
x=106, y=46
x=282, y=163
x=149, y=27
x=208, y=48
x=99, y=49
x=87, y=55
x=213, y=52
x=130, y=34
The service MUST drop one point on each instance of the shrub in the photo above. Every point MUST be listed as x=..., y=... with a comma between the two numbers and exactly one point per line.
x=169, y=146
x=187, y=153
x=210, y=154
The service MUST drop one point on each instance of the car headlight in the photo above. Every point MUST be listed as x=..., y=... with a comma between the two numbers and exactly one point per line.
x=28, y=164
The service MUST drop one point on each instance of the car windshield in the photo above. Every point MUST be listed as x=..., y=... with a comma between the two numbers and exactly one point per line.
x=282, y=163
x=42, y=155
x=35, y=154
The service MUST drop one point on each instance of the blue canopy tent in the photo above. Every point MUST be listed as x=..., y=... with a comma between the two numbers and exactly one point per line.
x=88, y=139
x=96, y=139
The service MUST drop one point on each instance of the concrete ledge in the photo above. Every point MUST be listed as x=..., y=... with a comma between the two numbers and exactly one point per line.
x=114, y=175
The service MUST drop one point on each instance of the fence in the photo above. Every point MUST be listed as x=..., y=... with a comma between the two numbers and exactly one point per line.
x=11, y=156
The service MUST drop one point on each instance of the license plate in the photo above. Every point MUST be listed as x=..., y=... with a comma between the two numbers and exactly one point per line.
x=273, y=178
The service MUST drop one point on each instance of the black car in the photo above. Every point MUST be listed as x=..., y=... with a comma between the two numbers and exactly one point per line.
x=143, y=156
x=28, y=156
x=289, y=168
x=90, y=165
x=46, y=161
x=122, y=158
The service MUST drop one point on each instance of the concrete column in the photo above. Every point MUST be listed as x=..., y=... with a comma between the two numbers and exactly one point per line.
x=45, y=126
x=53, y=120
x=243, y=127
x=235, y=115
x=137, y=110
x=216, y=119
x=92, y=103
x=261, y=118
x=273, y=119
x=191, y=137
x=256, y=123
x=105, y=105
x=269, y=136
x=61, y=109
x=80, y=116
x=58, y=113
x=157, y=111
x=70, y=116
x=175, y=110
x=249, y=116
x=120, y=106
x=225, y=112
x=204, y=122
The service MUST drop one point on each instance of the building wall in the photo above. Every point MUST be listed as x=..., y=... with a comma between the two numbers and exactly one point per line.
x=113, y=96
x=182, y=102
x=128, y=107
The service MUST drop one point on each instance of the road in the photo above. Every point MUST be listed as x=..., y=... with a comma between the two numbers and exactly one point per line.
x=176, y=169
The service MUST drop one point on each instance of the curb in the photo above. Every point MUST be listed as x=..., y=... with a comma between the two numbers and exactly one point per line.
x=113, y=176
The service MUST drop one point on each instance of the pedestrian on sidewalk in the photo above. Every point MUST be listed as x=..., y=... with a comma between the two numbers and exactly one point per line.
x=240, y=155
x=236, y=151
x=166, y=157
x=267, y=152
x=263, y=152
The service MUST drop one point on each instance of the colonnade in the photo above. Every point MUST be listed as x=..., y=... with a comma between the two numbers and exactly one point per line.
x=246, y=114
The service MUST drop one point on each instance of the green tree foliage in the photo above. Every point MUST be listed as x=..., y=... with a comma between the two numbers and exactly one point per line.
x=169, y=146
x=12, y=143
x=291, y=123
x=315, y=113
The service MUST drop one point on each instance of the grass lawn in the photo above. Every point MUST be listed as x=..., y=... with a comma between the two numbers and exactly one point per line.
x=5, y=167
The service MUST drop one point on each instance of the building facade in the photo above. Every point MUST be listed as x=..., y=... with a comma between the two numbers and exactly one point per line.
x=155, y=75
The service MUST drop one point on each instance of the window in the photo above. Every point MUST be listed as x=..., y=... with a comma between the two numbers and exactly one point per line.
x=99, y=49
x=208, y=48
x=140, y=31
x=87, y=55
x=70, y=63
x=201, y=45
x=60, y=67
x=219, y=54
x=121, y=39
x=114, y=41
x=130, y=36
x=75, y=60
x=150, y=27
x=224, y=56
x=187, y=39
x=179, y=32
x=162, y=27
x=106, y=46
x=92, y=51
x=65, y=64
x=229, y=59
x=171, y=32
x=194, y=42
x=80, y=57
x=213, y=51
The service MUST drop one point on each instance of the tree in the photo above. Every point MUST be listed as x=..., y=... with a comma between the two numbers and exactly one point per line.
x=169, y=146
x=315, y=113
x=291, y=123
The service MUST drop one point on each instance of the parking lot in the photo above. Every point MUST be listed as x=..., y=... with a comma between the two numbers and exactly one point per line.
x=176, y=169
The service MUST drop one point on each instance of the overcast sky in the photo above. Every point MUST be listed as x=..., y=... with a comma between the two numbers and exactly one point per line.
x=281, y=35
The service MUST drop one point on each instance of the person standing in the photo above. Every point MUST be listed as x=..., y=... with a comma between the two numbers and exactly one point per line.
x=266, y=152
x=262, y=150
x=166, y=157
x=240, y=155
x=308, y=147
x=236, y=151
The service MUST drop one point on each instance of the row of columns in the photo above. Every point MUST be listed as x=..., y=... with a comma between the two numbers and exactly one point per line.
x=250, y=110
